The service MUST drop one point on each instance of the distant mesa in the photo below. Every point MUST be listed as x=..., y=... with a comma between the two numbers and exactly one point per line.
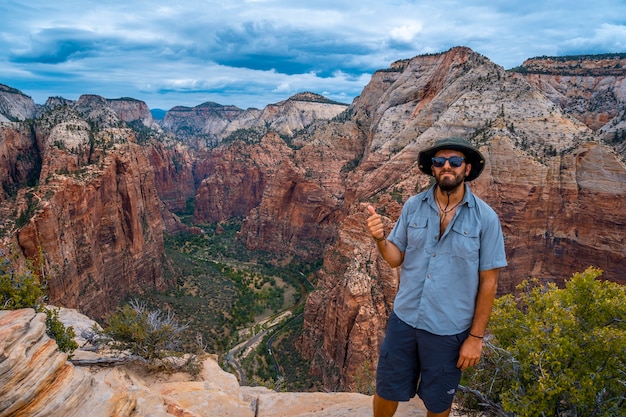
x=158, y=114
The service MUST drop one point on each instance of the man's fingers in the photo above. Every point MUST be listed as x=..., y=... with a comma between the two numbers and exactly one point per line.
x=374, y=223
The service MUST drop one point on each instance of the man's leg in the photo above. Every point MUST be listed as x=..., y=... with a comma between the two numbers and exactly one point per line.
x=440, y=377
x=384, y=408
x=397, y=371
x=443, y=414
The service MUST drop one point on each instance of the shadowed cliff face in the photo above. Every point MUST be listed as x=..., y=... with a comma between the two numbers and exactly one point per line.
x=99, y=237
x=303, y=202
x=235, y=178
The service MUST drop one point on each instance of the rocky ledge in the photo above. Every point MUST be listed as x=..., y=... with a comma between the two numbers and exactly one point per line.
x=36, y=379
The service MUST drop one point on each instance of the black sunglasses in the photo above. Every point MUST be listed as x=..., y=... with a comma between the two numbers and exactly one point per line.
x=455, y=161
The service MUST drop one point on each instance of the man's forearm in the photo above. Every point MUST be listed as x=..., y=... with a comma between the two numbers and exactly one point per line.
x=390, y=253
x=488, y=285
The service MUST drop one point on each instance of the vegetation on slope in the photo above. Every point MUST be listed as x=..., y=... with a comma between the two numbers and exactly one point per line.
x=23, y=290
x=554, y=352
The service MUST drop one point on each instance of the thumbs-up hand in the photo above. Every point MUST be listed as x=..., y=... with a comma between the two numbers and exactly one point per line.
x=375, y=224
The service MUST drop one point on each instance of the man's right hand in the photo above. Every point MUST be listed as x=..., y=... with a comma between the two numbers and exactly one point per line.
x=388, y=250
x=375, y=224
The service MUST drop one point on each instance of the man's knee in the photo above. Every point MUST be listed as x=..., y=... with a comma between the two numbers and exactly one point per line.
x=383, y=407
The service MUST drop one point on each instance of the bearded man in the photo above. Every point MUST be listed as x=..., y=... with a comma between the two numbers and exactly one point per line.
x=450, y=246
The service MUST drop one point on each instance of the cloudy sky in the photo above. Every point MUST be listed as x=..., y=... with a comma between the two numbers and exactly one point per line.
x=252, y=53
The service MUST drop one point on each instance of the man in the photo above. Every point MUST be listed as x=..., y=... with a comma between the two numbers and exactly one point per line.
x=450, y=246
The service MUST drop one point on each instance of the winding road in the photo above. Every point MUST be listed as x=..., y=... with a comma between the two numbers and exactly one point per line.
x=268, y=325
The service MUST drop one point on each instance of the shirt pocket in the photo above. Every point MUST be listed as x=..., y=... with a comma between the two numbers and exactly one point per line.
x=465, y=240
x=417, y=233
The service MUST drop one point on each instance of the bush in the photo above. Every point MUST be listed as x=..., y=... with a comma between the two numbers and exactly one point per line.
x=23, y=290
x=64, y=336
x=555, y=352
x=19, y=290
x=149, y=334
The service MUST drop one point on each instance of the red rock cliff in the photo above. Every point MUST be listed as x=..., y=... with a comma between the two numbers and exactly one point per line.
x=101, y=236
x=93, y=224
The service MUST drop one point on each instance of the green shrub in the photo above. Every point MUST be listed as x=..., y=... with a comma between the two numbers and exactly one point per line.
x=18, y=290
x=149, y=334
x=23, y=290
x=56, y=330
x=555, y=351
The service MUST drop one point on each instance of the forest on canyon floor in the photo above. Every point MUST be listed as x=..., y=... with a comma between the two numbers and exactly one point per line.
x=225, y=294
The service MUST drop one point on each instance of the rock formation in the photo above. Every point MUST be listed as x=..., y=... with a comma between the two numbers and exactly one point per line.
x=94, y=224
x=15, y=105
x=103, y=229
x=205, y=126
x=234, y=185
x=173, y=167
x=305, y=197
x=590, y=88
x=131, y=110
x=202, y=124
x=37, y=380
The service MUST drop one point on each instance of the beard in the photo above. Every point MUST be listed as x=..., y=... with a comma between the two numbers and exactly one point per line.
x=447, y=183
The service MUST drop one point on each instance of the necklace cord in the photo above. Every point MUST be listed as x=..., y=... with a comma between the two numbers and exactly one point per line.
x=444, y=211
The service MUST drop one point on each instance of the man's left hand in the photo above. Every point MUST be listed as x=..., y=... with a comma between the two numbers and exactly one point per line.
x=470, y=352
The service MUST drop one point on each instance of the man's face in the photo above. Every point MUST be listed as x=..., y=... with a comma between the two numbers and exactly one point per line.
x=448, y=178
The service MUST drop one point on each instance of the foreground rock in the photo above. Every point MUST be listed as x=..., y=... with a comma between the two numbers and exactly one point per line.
x=36, y=379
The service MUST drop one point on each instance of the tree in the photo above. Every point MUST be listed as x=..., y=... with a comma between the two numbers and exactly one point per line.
x=554, y=351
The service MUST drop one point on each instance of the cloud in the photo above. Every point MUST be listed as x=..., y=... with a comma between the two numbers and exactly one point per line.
x=253, y=53
x=405, y=33
x=54, y=46
x=606, y=38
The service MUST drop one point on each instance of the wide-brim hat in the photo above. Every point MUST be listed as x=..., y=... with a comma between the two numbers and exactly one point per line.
x=472, y=156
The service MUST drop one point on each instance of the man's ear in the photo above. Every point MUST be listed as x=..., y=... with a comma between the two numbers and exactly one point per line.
x=468, y=169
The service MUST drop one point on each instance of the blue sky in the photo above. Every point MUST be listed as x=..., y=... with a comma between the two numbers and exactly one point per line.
x=257, y=52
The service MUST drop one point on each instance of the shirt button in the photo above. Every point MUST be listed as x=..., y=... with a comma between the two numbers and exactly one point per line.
x=434, y=254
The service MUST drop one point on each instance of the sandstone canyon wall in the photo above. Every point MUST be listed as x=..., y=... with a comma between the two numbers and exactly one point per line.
x=83, y=202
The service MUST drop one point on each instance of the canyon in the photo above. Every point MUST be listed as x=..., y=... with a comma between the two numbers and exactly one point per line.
x=90, y=186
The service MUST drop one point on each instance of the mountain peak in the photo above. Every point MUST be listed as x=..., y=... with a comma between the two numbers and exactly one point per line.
x=307, y=96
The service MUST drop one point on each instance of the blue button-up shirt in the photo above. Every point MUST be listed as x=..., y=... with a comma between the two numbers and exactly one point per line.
x=439, y=278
